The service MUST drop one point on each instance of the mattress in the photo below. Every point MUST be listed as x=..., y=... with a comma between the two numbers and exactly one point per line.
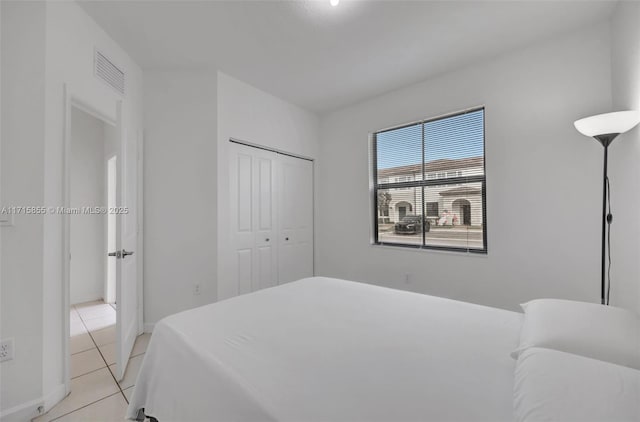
x=323, y=349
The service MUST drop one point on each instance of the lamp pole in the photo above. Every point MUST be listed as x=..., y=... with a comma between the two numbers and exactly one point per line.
x=604, y=128
x=604, y=219
x=605, y=140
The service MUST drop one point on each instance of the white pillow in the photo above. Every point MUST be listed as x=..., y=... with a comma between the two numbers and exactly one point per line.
x=597, y=331
x=558, y=386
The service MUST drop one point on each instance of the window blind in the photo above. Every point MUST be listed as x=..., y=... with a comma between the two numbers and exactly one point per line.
x=429, y=183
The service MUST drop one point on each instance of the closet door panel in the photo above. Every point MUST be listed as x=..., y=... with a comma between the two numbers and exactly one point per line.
x=295, y=260
x=244, y=264
x=305, y=222
x=265, y=194
x=241, y=215
x=271, y=219
x=267, y=276
x=287, y=218
x=265, y=242
x=244, y=192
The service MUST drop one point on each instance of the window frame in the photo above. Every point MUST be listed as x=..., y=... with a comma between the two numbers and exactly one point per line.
x=426, y=182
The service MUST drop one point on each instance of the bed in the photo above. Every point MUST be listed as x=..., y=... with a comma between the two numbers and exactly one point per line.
x=323, y=349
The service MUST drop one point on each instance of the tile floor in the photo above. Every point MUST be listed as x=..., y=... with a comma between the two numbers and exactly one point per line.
x=95, y=394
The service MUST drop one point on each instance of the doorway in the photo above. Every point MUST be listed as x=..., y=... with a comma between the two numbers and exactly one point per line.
x=117, y=343
x=403, y=208
x=103, y=160
x=462, y=207
x=87, y=223
x=92, y=230
x=466, y=214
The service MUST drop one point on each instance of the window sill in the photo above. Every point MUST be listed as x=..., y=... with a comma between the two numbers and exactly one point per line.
x=461, y=252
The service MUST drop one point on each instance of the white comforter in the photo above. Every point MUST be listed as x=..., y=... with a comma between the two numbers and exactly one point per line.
x=323, y=349
x=558, y=386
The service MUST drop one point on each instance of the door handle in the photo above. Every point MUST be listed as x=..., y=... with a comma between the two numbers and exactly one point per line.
x=120, y=254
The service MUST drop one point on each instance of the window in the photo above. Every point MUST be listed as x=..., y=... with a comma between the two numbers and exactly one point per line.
x=429, y=184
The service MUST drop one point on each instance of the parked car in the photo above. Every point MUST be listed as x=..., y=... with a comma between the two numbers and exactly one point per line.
x=411, y=224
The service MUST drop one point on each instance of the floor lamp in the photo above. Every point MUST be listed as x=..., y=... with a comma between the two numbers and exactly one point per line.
x=605, y=128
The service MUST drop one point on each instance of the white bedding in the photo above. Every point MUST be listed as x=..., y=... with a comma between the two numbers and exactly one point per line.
x=323, y=349
x=556, y=386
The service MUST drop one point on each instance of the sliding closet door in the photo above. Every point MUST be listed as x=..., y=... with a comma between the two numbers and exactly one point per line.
x=295, y=217
x=271, y=218
x=253, y=218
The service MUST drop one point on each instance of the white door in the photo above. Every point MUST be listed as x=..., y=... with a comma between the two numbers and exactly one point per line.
x=252, y=215
x=271, y=218
x=126, y=241
x=295, y=217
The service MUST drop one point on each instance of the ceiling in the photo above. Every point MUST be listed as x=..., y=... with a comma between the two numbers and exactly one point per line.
x=322, y=57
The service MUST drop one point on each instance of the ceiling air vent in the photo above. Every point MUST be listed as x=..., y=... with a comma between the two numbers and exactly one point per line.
x=108, y=72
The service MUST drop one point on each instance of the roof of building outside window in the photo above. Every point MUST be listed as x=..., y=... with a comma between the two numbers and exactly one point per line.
x=433, y=166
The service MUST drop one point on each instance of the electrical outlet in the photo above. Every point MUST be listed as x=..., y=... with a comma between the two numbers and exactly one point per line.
x=196, y=289
x=6, y=349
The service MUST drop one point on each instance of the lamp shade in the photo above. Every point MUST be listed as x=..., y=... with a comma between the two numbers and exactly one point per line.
x=608, y=123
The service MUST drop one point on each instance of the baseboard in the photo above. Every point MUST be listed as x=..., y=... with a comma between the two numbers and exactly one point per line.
x=31, y=409
x=23, y=412
x=148, y=327
x=54, y=397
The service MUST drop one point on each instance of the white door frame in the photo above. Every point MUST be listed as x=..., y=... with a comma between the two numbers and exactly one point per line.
x=74, y=98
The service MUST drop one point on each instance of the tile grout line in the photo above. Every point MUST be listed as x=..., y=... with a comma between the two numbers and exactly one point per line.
x=82, y=407
x=105, y=361
x=82, y=351
x=87, y=373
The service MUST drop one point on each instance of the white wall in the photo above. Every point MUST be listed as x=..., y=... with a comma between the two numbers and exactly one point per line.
x=87, y=190
x=543, y=200
x=45, y=46
x=624, y=156
x=189, y=117
x=254, y=116
x=23, y=111
x=180, y=189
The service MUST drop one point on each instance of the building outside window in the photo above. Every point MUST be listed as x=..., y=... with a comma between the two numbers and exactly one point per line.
x=430, y=187
x=432, y=209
